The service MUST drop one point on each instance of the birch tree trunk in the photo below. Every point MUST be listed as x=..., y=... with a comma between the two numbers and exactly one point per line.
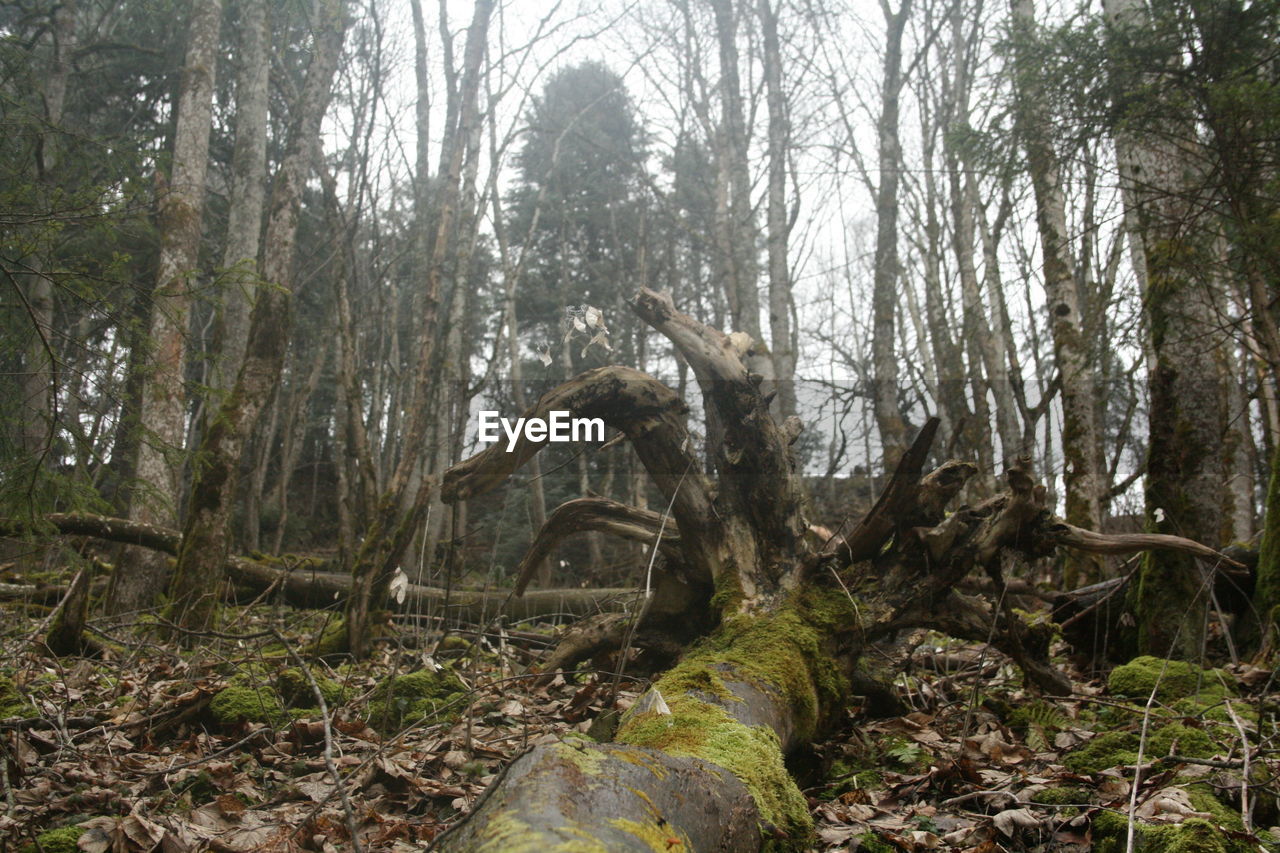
x=206, y=531
x=248, y=192
x=888, y=272
x=782, y=348
x=163, y=416
x=1082, y=465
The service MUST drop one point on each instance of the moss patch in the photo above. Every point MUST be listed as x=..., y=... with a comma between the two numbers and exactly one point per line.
x=296, y=690
x=61, y=840
x=1194, y=835
x=1170, y=679
x=422, y=696
x=238, y=704
x=11, y=702
x=1116, y=748
x=332, y=639
x=752, y=753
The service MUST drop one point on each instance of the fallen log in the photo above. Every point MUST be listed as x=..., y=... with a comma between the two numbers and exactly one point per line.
x=785, y=627
x=304, y=584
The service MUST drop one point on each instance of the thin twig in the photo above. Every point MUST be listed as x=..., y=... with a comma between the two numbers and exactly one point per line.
x=328, y=741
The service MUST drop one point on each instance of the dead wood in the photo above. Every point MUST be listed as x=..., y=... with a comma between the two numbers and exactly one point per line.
x=303, y=584
x=790, y=616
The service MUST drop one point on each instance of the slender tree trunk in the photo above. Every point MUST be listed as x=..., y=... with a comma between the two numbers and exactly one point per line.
x=887, y=273
x=248, y=193
x=402, y=504
x=206, y=532
x=778, y=224
x=1082, y=465
x=735, y=255
x=163, y=418
x=39, y=385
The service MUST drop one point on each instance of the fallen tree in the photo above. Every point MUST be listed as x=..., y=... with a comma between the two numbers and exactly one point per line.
x=308, y=582
x=783, y=620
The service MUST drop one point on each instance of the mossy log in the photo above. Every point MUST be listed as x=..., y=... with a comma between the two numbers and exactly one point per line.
x=785, y=617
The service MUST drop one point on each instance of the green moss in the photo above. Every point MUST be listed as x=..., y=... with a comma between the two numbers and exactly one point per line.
x=422, y=696
x=780, y=653
x=1204, y=800
x=1060, y=796
x=728, y=592
x=239, y=703
x=1216, y=710
x=871, y=843
x=652, y=835
x=1194, y=835
x=752, y=753
x=332, y=639
x=11, y=702
x=61, y=840
x=1176, y=680
x=296, y=690
x=1111, y=749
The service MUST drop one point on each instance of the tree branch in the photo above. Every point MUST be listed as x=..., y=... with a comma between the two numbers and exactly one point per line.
x=602, y=514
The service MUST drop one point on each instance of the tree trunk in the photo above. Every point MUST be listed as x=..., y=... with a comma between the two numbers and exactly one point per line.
x=735, y=237
x=1082, y=465
x=244, y=211
x=781, y=347
x=1185, y=471
x=206, y=533
x=400, y=508
x=887, y=272
x=698, y=762
x=163, y=418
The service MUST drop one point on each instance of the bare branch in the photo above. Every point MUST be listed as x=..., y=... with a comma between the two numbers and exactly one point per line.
x=602, y=514
x=1070, y=536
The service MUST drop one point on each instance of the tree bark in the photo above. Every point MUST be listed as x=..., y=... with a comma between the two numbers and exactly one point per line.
x=735, y=239
x=1082, y=465
x=1185, y=471
x=887, y=271
x=248, y=193
x=206, y=532
x=163, y=418
x=782, y=348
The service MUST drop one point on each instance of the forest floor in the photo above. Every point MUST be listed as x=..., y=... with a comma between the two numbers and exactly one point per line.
x=217, y=742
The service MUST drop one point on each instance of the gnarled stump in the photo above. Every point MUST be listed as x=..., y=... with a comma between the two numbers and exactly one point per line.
x=785, y=625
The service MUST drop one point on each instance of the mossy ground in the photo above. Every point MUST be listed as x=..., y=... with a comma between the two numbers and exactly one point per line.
x=12, y=704
x=1114, y=749
x=254, y=695
x=417, y=697
x=1193, y=835
x=1171, y=680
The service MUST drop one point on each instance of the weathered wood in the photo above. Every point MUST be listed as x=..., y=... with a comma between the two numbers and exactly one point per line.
x=576, y=795
x=304, y=584
x=602, y=514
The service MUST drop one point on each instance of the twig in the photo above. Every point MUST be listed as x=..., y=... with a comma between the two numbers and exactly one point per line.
x=1244, y=777
x=328, y=741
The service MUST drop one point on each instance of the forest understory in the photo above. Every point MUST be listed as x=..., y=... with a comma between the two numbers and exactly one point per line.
x=216, y=741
